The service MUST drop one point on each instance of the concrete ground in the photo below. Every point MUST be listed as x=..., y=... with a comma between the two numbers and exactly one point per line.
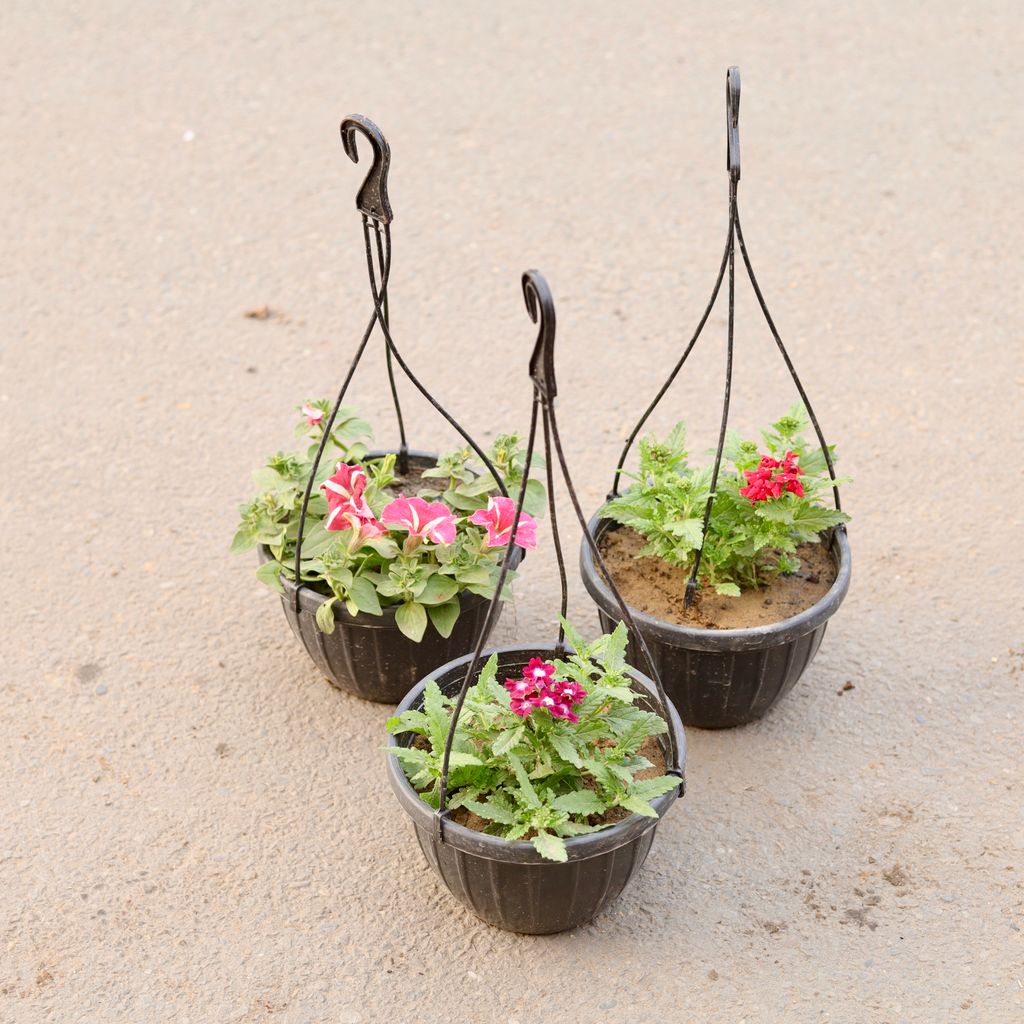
x=195, y=826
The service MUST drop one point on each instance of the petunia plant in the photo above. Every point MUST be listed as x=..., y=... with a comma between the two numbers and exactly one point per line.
x=771, y=497
x=552, y=753
x=374, y=541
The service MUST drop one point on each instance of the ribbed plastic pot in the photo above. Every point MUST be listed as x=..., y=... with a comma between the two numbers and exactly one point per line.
x=508, y=884
x=720, y=678
x=368, y=655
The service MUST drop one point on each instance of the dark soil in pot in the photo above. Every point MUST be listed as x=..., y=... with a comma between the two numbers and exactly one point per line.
x=508, y=884
x=657, y=588
x=722, y=676
x=368, y=655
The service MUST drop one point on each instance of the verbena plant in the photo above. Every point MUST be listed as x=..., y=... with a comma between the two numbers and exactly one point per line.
x=542, y=756
x=770, y=499
x=369, y=545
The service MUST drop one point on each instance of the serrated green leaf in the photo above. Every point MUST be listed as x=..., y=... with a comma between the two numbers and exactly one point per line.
x=491, y=812
x=638, y=806
x=460, y=759
x=530, y=797
x=436, y=713
x=566, y=749
x=507, y=740
x=651, y=789
x=550, y=847
x=582, y=801
x=727, y=589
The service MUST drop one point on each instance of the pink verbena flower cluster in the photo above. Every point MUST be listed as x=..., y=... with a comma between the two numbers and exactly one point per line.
x=539, y=689
x=773, y=478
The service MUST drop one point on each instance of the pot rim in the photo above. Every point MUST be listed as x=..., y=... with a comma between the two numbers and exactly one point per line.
x=522, y=851
x=310, y=599
x=699, y=638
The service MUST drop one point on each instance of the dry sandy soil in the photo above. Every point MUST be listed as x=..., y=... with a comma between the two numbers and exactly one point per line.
x=194, y=824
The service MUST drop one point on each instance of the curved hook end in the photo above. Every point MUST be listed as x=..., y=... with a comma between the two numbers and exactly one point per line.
x=732, y=122
x=540, y=305
x=372, y=197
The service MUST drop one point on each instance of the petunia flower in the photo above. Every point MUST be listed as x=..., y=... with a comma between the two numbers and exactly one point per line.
x=314, y=416
x=346, y=487
x=430, y=520
x=498, y=518
x=364, y=528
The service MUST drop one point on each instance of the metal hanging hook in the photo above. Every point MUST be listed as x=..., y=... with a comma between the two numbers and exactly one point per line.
x=372, y=198
x=540, y=305
x=732, y=122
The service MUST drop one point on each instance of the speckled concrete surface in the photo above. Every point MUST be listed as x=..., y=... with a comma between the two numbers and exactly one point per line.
x=195, y=827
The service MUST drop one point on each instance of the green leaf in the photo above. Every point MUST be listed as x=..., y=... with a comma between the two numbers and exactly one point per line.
x=507, y=740
x=325, y=616
x=479, y=574
x=438, y=590
x=317, y=540
x=437, y=715
x=269, y=573
x=575, y=639
x=242, y=541
x=460, y=759
x=364, y=595
x=412, y=756
x=566, y=749
x=638, y=806
x=536, y=501
x=444, y=616
x=411, y=619
x=550, y=847
x=491, y=812
x=384, y=546
x=583, y=801
x=408, y=721
x=650, y=789
x=530, y=797
x=727, y=589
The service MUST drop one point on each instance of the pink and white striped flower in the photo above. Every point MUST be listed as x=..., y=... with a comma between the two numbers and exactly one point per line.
x=314, y=416
x=363, y=528
x=429, y=520
x=498, y=518
x=344, y=494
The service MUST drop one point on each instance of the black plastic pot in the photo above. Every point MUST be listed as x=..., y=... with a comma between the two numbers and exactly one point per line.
x=368, y=655
x=508, y=884
x=719, y=678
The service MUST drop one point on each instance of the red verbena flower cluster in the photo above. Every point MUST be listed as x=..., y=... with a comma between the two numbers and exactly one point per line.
x=539, y=689
x=773, y=478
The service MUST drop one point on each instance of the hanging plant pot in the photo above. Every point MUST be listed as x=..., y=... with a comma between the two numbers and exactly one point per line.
x=730, y=529
x=509, y=884
x=429, y=556
x=719, y=678
x=536, y=783
x=368, y=655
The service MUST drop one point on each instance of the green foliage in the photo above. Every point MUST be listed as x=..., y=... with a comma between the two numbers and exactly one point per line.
x=748, y=542
x=421, y=581
x=540, y=778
